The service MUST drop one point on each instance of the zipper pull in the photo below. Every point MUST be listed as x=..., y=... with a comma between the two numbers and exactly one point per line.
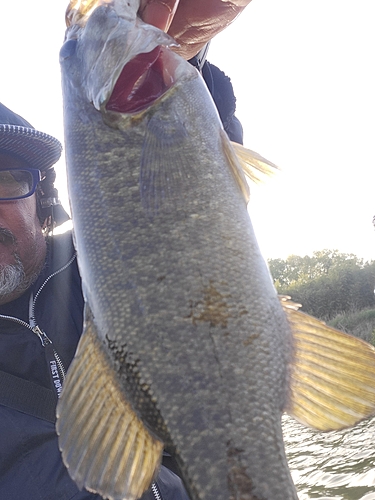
x=45, y=340
x=53, y=361
x=55, y=366
x=33, y=324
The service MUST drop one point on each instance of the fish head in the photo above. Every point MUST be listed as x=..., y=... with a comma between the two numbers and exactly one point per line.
x=119, y=63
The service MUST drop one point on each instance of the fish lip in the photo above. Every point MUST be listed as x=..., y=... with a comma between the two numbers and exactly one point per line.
x=142, y=81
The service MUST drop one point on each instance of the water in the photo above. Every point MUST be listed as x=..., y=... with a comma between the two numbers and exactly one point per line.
x=332, y=465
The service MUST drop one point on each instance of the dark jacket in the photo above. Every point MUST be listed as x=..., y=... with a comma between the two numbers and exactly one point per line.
x=30, y=462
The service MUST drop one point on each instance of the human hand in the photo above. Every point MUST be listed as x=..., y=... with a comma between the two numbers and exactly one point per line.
x=192, y=23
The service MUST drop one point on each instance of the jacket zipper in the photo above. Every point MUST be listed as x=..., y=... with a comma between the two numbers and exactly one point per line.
x=53, y=358
x=42, y=335
x=156, y=492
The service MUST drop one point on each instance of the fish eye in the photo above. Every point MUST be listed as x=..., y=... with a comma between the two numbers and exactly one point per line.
x=68, y=49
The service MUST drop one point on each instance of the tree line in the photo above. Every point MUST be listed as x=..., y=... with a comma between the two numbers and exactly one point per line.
x=327, y=284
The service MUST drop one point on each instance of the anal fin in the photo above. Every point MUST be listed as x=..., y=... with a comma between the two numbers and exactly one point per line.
x=105, y=446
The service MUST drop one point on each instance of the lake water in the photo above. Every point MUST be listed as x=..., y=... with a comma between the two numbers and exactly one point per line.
x=333, y=465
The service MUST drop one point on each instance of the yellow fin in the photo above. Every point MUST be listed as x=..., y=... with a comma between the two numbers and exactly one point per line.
x=105, y=446
x=253, y=163
x=332, y=376
x=235, y=165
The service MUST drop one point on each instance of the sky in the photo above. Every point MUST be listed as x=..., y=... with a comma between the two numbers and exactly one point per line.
x=303, y=76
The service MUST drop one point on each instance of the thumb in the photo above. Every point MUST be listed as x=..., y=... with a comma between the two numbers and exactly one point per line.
x=159, y=13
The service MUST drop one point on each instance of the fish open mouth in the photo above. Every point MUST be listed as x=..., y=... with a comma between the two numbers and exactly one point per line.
x=142, y=81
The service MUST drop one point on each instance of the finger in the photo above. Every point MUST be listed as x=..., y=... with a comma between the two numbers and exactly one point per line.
x=159, y=13
x=196, y=22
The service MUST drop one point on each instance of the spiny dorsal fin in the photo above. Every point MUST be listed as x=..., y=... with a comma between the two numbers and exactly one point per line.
x=332, y=374
x=105, y=446
x=254, y=166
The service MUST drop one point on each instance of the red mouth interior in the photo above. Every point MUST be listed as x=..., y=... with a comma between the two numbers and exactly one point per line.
x=140, y=83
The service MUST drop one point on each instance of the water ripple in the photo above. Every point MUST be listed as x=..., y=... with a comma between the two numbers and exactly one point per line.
x=332, y=465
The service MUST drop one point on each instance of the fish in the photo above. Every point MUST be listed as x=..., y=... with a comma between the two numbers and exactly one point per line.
x=186, y=346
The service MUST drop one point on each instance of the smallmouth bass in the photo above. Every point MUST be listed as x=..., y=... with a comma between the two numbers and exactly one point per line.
x=186, y=345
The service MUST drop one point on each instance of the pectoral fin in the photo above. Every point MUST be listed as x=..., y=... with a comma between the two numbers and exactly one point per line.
x=164, y=165
x=245, y=163
x=254, y=166
x=332, y=374
x=105, y=446
x=235, y=165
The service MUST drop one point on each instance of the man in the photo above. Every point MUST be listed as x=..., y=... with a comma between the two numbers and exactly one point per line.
x=41, y=308
x=28, y=457
x=41, y=303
